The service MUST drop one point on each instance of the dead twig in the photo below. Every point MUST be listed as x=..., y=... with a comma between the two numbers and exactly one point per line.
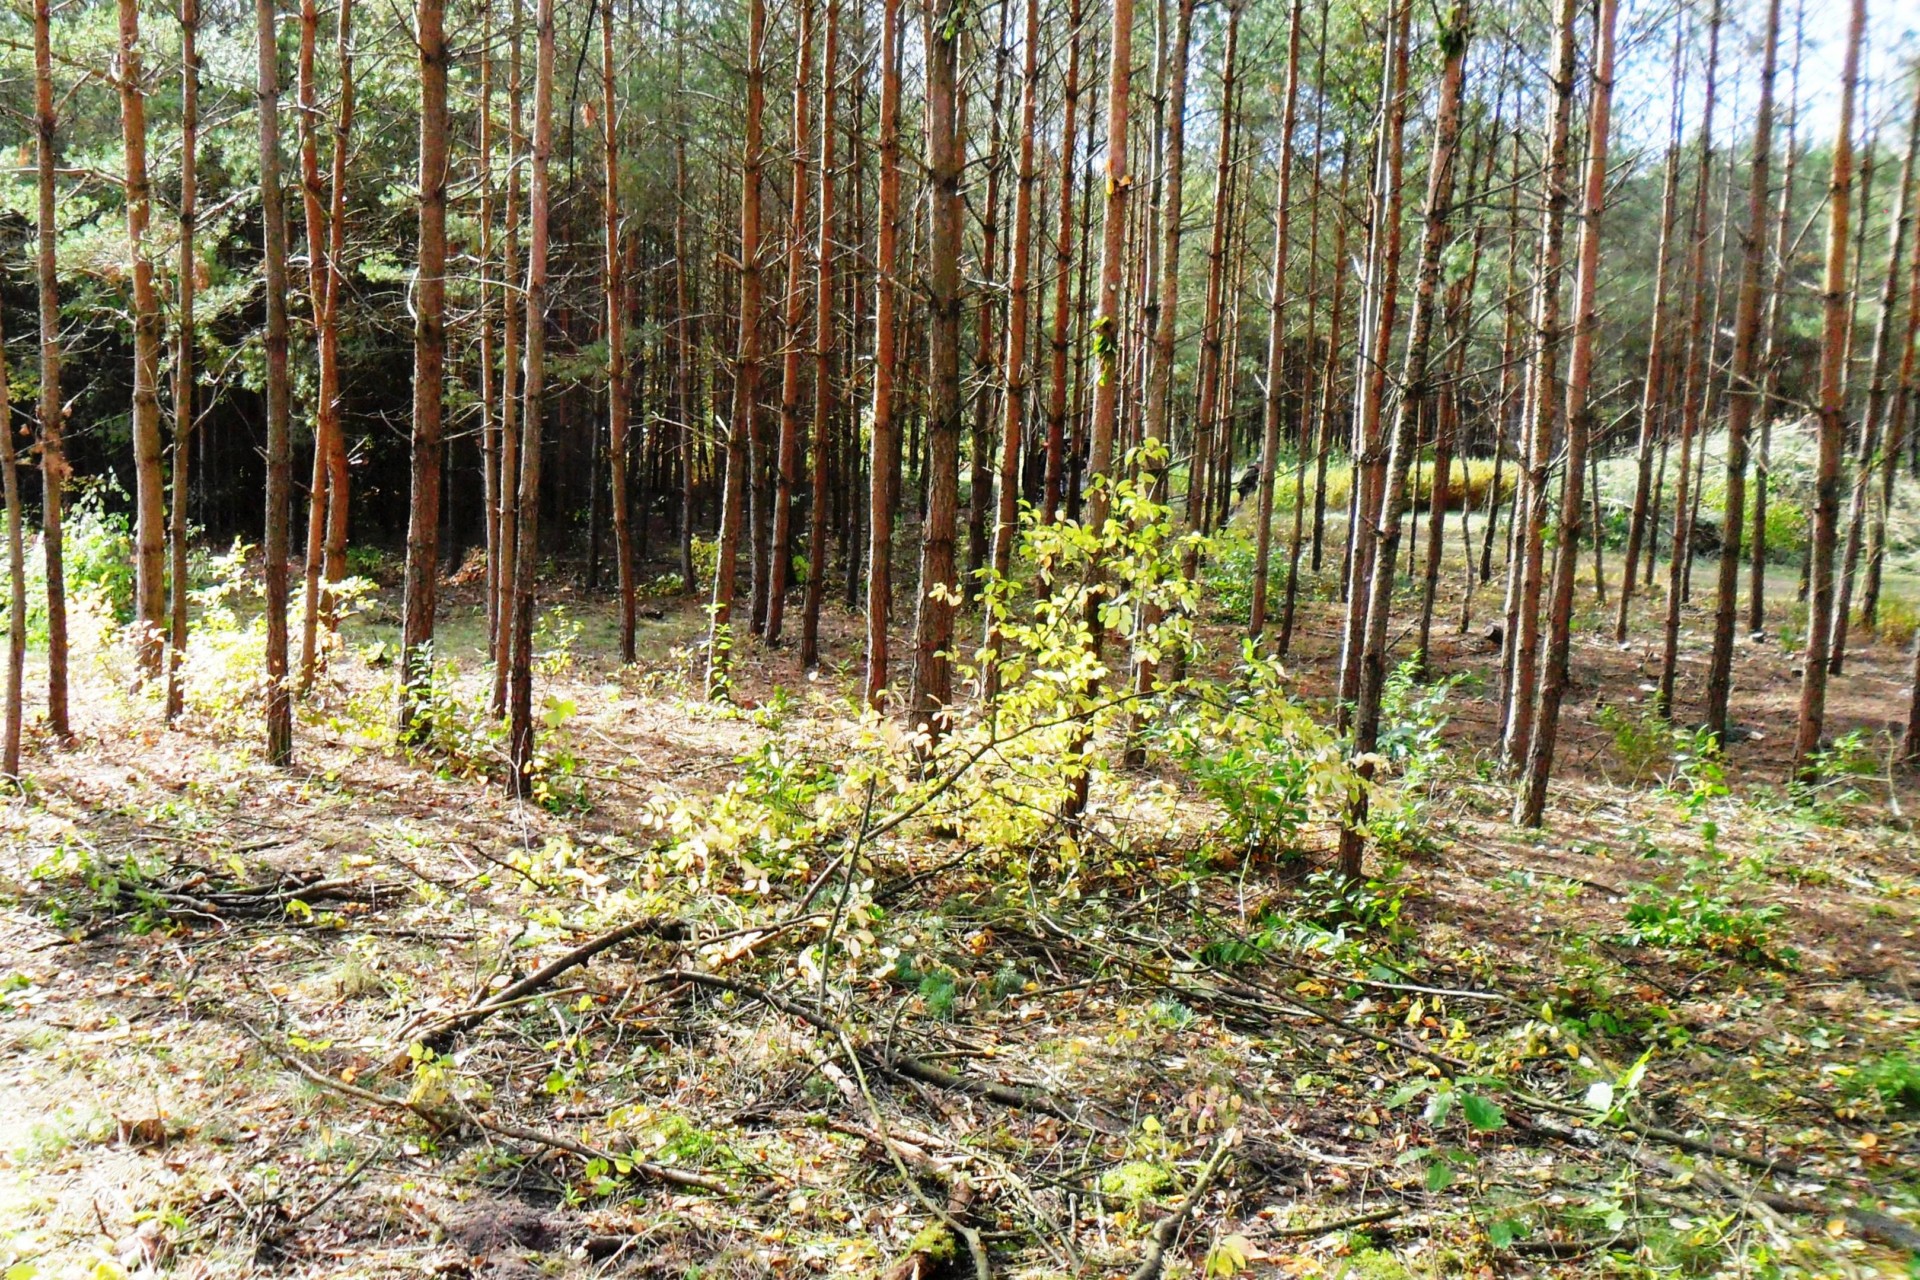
x=440, y=1033
x=454, y=1117
x=1168, y=1227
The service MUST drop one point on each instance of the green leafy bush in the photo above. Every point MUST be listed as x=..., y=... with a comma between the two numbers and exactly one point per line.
x=1696, y=917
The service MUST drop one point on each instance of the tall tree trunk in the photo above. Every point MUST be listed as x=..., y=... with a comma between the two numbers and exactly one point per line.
x=1380, y=300
x=1118, y=182
x=823, y=353
x=1879, y=367
x=932, y=686
x=1543, y=385
x=1374, y=593
x=1695, y=340
x=149, y=537
x=1837, y=302
x=1156, y=420
x=16, y=587
x=183, y=352
x=1013, y=404
x=1052, y=490
x=1580, y=426
x=53, y=455
x=279, y=392
x=429, y=371
x=1330, y=369
x=1899, y=424
x=307, y=121
x=885, y=446
x=526, y=560
x=511, y=427
x=1212, y=339
x=683, y=321
x=1743, y=387
x=1459, y=325
x=787, y=456
x=1105, y=335
x=1657, y=343
x=1275, y=400
x=746, y=374
x=616, y=320
x=1776, y=309
x=990, y=377
x=1306, y=435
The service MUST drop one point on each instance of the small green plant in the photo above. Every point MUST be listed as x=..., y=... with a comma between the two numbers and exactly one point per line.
x=1896, y=621
x=1827, y=789
x=1893, y=1079
x=554, y=637
x=1697, y=917
x=1372, y=903
x=1644, y=742
x=939, y=988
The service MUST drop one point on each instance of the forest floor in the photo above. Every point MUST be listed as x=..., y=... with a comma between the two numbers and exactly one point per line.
x=1675, y=1032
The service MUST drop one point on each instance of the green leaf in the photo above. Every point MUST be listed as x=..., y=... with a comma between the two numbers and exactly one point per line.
x=1407, y=1093
x=1482, y=1112
x=1504, y=1231
x=1439, y=1176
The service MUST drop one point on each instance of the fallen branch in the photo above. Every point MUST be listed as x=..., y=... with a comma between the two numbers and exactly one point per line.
x=1344, y=1224
x=437, y=1036
x=1168, y=1227
x=899, y=1066
x=1868, y=1224
x=454, y=1117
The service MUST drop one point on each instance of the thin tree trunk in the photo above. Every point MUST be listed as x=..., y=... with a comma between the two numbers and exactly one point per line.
x=279, y=393
x=1307, y=433
x=1380, y=300
x=1329, y=371
x=885, y=446
x=1776, y=309
x=520, y=733
x=1156, y=421
x=932, y=686
x=1696, y=341
x=1743, y=387
x=616, y=322
x=1872, y=457
x=746, y=375
x=980, y=479
x=683, y=375
x=1541, y=394
x=53, y=456
x=1212, y=340
x=823, y=353
x=1899, y=424
x=1052, y=490
x=787, y=457
x=1105, y=335
x=311, y=196
x=1019, y=300
x=507, y=488
x=1374, y=593
x=1657, y=343
x=1580, y=426
x=183, y=352
x=429, y=370
x=149, y=537
x=1837, y=302
x=1459, y=320
x=1275, y=402
x=16, y=584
